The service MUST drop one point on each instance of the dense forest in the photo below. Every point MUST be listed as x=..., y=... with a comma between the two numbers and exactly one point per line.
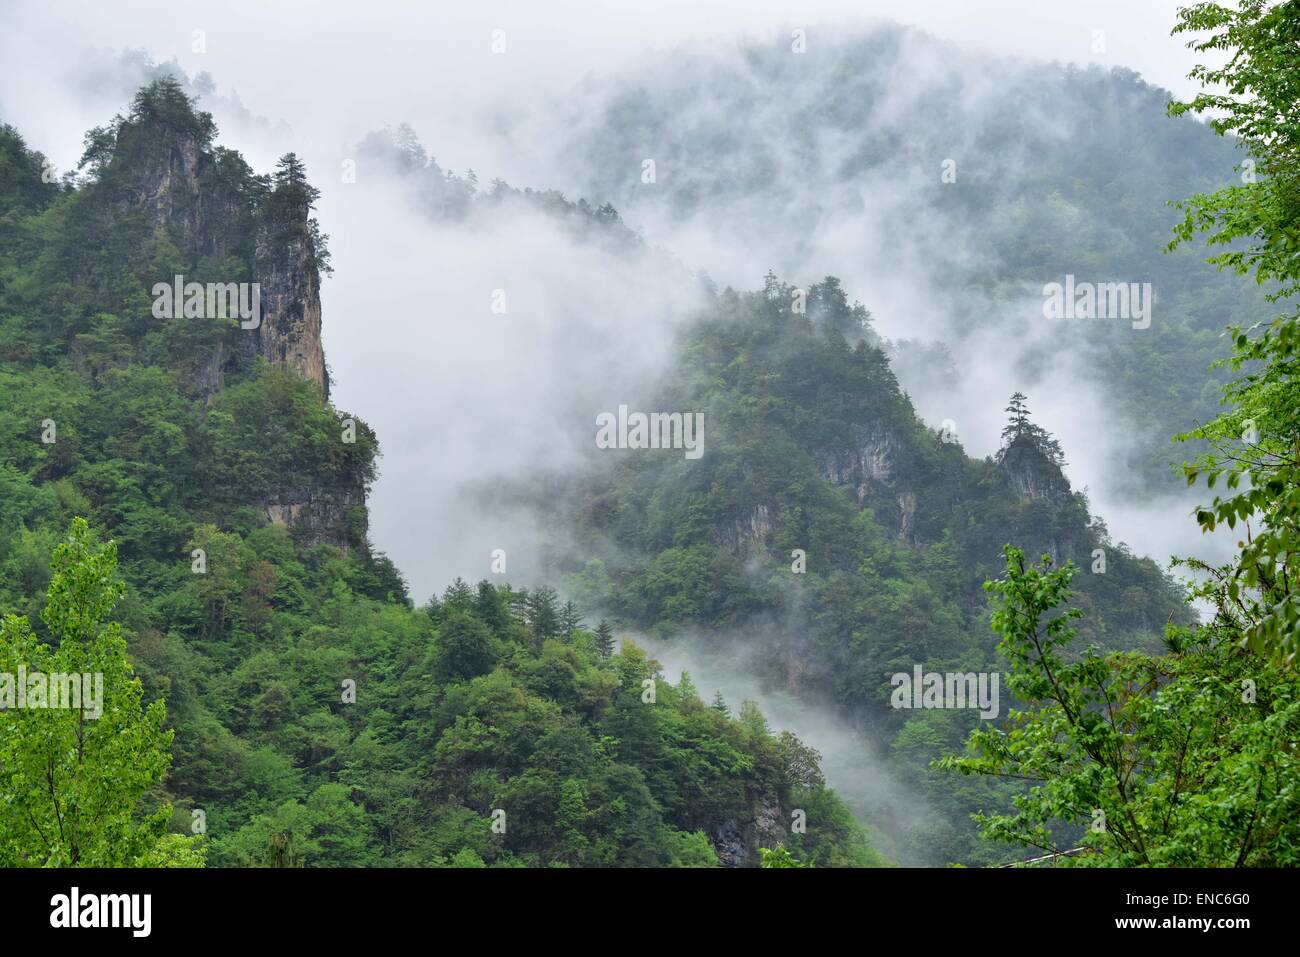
x=318, y=718
x=183, y=516
x=829, y=527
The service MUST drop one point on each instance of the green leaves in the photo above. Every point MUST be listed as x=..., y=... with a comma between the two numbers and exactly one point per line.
x=778, y=857
x=84, y=587
x=1253, y=96
x=71, y=780
x=1184, y=760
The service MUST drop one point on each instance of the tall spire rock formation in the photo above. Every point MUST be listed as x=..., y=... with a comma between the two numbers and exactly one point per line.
x=288, y=260
x=200, y=208
x=166, y=244
x=290, y=333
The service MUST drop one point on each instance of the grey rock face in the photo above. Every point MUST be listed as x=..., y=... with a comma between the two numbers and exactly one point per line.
x=1031, y=476
x=736, y=842
x=290, y=333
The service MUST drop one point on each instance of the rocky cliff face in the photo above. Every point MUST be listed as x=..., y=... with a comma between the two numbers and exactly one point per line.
x=1038, y=481
x=203, y=209
x=749, y=530
x=175, y=181
x=217, y=214
x=868, y=465
x=869, y=472
x=737, y=841
x=290, y=333
x=1031, y=475
x=314, y=513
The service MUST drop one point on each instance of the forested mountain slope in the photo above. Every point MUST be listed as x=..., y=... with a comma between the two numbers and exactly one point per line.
x=814, y=458
x=830, y=528
x=319, y=719
x=959, y=181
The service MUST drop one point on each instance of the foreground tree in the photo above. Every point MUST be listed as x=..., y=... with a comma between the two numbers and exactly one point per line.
x=1189, y=758
x=778, y=857
x=1255, y=444
x=1186, y=759
x=71, y=779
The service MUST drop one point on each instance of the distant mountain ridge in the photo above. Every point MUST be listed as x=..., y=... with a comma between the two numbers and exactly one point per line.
x=885, y=152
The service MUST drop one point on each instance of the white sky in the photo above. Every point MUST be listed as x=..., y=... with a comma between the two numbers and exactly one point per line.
x=358, y=65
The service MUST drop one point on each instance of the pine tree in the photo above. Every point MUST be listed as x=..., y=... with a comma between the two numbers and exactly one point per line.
x=605, y=638
x=543, y=613
x=772, y=290
x=408, y=144
x=290, y=181
x=518, y=602
x=458, y=596
x=686, y=687
x=720, y=705
x=489, y=608
x=570, y=620
x=1020, y=427
x=1019, y=423
x=289, y=204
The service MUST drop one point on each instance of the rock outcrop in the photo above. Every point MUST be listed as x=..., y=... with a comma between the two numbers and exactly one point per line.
x=869, y=470
x=231, y=225
x=1032, y=475
x=747, y=531
x=868, y=466
x=290, y=333
x=316, y=514
x=736, y=841
x=201, y=207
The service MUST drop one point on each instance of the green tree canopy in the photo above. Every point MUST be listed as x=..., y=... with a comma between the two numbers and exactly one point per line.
x=72, y=778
